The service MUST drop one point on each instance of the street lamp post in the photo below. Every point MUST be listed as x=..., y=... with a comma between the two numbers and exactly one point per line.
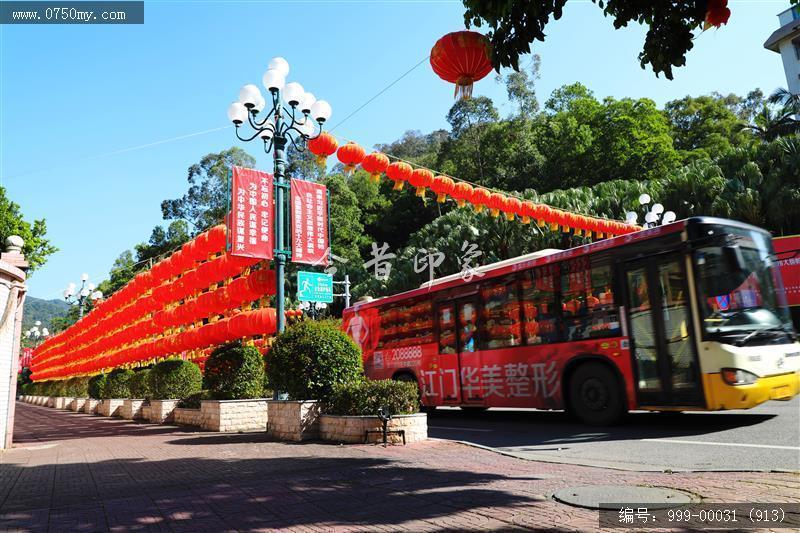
x=652, y=214
x=36, y=334
x=279, y=126
x=81, y=296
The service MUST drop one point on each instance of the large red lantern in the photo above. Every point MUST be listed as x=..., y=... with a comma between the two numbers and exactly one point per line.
x=462, y=57
x=376, y=164
x=323, y=146
x=462, y=192
x=421, y=179
x=399, y=172
x=513, y=206
x=442, y=186
x=350, y=155
x=496, y=202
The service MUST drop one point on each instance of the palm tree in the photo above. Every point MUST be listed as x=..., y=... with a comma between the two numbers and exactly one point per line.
x=772, y=123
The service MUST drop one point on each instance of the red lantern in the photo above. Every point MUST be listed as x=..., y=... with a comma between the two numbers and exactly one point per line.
x=480, y=198
x=462, y=192
x=717, y=13
x=496, y=202
x=323, y=146
x=513, y=206
x=462, y=57
x=351, y=155
x=442, y=186
x=261, y=283
x=399, y=173
x=421, y=178
x=375, y=163
x=217, y=238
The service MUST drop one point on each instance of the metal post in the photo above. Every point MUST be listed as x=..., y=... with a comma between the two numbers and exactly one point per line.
x=280, y=230
x=347, y=290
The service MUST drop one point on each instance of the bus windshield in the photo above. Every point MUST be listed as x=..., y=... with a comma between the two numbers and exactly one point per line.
x=740, y=288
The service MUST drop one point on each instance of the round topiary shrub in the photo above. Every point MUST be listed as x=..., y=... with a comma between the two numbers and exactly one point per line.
x=365, y=397
x=96, y=386
x=175, y=378
x=310, y=357
x=139, y=385
x=59, y=388
x=235, y=372
x=118, y=383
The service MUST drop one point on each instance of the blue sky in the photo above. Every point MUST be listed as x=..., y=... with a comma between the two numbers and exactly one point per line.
x=84, y=108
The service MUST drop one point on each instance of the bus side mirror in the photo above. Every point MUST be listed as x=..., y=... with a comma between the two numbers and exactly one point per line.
x=734, y=258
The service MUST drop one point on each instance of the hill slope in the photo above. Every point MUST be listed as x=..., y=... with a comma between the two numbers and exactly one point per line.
x=43, y=310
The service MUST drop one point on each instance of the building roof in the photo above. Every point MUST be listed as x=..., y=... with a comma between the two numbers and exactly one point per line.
x=786, y=31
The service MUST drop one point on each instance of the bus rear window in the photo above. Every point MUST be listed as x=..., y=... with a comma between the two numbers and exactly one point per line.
x=408, y=324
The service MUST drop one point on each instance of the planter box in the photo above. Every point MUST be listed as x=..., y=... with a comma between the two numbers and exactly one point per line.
x=184, y=416
x=352, y=429
x=110, y=407
x=131, y=409
x=50, y=401
x=293, y=420
x=234, y=415
x=62, y=402
x=146, y=412
x=91, y=406
x=78, y=404
x=162, y=411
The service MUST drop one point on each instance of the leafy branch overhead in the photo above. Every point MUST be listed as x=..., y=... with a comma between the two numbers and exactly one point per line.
x=672, y=26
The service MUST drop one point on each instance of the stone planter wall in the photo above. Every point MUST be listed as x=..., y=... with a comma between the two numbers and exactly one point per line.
x=78, y=404
x=131, y=409
x=293, y=420
x=352, y=429
x=234, y=415
x=110, y=407
x=146, y=412
x=162, y=411
x=58, y=402
x=91, y=406
x=187, y=417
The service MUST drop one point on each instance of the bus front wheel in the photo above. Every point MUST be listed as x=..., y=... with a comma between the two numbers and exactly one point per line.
x=595, y=395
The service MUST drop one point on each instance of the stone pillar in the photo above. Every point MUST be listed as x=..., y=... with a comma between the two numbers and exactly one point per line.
x=12, y=296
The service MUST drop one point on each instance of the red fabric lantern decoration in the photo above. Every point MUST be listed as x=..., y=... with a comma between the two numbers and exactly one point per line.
x=717, y=13
x=496, y=202
x=261, y=283
x=528, y=211
x=462, y=192
x=421, y=178
x=480, y=199
x=442, y=186
x=513, y=206
x=217, y=238
x=323, y=146
x=376, y=164
x=462, y=57
x=399, y=172
x=350, y=155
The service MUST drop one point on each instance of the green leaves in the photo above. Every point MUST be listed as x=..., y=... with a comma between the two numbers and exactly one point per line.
x=174, y=379
x=364, y=398
x=235, y=372
x=36, y=248
x=118, y=384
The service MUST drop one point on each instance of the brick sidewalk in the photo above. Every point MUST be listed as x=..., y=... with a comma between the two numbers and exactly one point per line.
x=76, y=472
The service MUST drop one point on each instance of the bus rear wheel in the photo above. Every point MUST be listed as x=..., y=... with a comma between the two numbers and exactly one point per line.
x=595, y=395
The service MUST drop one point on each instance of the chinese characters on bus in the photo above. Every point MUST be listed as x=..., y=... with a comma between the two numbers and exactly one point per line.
x=250, y=228
x=309, y=223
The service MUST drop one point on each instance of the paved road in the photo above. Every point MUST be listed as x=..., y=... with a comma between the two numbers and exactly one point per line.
x=764, y=438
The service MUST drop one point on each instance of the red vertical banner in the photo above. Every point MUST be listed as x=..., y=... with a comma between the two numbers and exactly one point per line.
x=788, y=251
x=250, y=231
x=309, y=223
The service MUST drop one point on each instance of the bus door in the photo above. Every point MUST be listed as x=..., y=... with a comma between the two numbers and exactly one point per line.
x=469, y=359
x=666, y=368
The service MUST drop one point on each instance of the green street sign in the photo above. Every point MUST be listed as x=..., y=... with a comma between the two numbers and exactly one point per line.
x=314, y=287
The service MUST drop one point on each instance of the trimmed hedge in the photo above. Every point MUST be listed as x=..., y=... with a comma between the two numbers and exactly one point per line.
x=139, y=385
x=310, y=357
x=235, y=372
x=193, y=401
x=77, y=387
x=366, y=397
x=118, y=383
x=174, y=378
x=97, y=385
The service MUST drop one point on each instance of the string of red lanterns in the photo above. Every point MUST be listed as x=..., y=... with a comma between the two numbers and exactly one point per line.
x=512, y=207
x=187, y=304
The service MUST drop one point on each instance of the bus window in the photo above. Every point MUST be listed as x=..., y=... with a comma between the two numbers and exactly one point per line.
x=575, y=286
x=500, y=327
x=539, y=304
x=603, y=314
x=467, y=324
x=447, y=328
x=407, y=325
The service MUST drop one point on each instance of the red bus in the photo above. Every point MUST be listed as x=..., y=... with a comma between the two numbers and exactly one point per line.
x=686, y=316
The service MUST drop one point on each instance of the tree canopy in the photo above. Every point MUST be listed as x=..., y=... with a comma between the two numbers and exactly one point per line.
x=37, y=248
